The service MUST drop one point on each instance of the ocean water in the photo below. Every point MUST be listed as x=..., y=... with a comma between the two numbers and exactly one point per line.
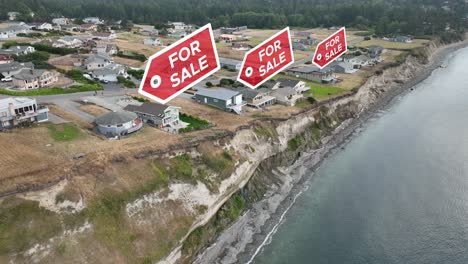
x=396, y=193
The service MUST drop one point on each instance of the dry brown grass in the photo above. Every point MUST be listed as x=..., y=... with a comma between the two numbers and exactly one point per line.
x=93, y=110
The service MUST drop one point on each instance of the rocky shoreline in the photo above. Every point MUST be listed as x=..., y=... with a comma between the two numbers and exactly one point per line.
x=245, y=237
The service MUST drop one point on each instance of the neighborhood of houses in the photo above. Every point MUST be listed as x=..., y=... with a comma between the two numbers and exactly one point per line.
x=96, y=43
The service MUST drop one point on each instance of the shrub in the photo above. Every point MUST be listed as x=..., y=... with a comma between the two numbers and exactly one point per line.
x=132, y=55
x=127, y=83
x=138, y=74
x=209, y=84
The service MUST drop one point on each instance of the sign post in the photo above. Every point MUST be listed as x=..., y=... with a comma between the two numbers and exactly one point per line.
x=330, y=49
x=267, y=59
x=180, y=66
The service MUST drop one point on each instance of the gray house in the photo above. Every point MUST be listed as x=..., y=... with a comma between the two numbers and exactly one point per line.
x=222, y=98
x=156, y=114
x=343, y=67
x=21, y=110
x=12, y=68
x=313, y=73
x=118, y=123
x=375, y=51
x=299, y=86
x=258, y=97
x=230, y=64
x=286, y=96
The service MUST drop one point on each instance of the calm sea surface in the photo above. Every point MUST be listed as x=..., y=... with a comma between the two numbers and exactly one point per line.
x=397, y=193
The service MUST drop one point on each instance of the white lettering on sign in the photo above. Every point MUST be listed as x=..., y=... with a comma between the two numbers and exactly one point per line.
x=184, y=54
x=272, y=63
x=334, y=50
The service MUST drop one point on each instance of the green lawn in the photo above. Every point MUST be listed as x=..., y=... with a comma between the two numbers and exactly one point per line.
x=65, y=132
x=54, y=90
x=318, y=91
x=195, y=123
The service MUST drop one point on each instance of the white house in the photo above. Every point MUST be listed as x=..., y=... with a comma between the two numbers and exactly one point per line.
x=109, y=49
x=110, y=73
x=152, y=42
x=93, y=20
x=104, y=35
x=45, y=26
x=96, y=62
x=13, y=30
x=18, y=50
x=61, y=21
x=71, y=41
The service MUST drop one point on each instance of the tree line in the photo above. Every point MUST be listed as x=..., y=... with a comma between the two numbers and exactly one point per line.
x=384, y=17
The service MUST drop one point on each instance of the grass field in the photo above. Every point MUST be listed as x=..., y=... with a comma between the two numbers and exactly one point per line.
x=64, y=132
x=317, y=90
x=393, y=45
x=54, y=90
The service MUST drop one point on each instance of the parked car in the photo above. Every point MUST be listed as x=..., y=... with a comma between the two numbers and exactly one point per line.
x=7, y=79
x=104, y=81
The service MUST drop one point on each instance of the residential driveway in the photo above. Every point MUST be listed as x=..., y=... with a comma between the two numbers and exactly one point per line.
x=56, y=119
x=72, y=107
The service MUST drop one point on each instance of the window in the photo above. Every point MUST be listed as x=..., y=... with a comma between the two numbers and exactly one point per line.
x=215, y=100
x=4, y=114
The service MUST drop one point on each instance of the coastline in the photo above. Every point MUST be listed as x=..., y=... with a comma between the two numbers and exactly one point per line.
x=255, y=227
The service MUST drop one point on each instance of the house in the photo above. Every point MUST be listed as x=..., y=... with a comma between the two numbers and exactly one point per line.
x=156, y=114
x=45, y=26
x=179, y=26
x=71, y=42
x=227, y=38
x=109, y=73
x=230, y=64
x=70, y=28
x=61, y=21
x=13, y=30
x=303, y=34
x=87, y=27
x=402, y=39
x=149, y=31
x=343, y=67
x=222, y=98
x=240, y=46
x=28, y=79
x=5, y=58
x=21, y=110
x=96, y=62
x=93, y=20
x=312, y=73
x=12, y=68
x=225, y=30
x=258, y=97
x=51, y=42
x=12, y=15
x=152, y=42
x=299, y=46
x=177, y=34
x=104, y=36
x=18, y=50
x=118, y=123
x=363, y=61
x=375, y=51
x=298, y=85
x=286, y=96
x=109, y=49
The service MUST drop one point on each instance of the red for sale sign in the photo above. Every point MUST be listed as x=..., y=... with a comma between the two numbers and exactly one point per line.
x=330, y=49
x=264, y=61
x=180, y=66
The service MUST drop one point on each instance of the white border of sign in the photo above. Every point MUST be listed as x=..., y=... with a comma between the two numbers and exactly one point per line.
x=325, y=40
x=259, y=45
x=161, y=101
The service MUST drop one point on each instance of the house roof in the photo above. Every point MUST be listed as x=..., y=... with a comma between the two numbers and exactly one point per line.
x=4, y=103
x=220, y=93
x=287, y=82
x=28, y=74
x=252, y=93
x=14, y=49
x=149, y=108
x=115, y=118
x=309, y=69
x=229, y=61
x=14, y=66
x=97, y=58
x=283, y=92
x=108, y=70
x=102, y=34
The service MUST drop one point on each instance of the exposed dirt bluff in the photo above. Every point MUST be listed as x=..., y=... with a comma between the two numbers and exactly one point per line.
x=151, y=206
